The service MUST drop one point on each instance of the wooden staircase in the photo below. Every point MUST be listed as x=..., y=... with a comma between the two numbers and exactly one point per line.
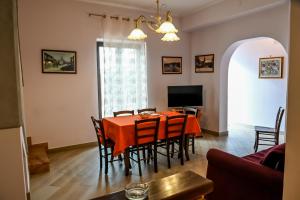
x=38, y=159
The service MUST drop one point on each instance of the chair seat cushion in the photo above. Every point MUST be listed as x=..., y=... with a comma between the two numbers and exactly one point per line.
x=275, y=158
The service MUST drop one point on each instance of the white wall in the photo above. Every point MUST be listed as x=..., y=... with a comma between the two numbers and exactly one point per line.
x=58, y=107
x=292, y=158
x=251, y=100
x=273, y=23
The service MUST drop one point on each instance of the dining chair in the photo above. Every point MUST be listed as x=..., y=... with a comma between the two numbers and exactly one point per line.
x=104, y=144
x=146, y=131
x=191, y=136
x=174, y=134
x=269, y=136
x=123, y=113
x=153, y=110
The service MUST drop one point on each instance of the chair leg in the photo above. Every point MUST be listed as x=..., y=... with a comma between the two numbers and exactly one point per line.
x=193, y=144
x=155, y=158
x=256, y=142
x=149, y=150
x=112, y=148
x=173, y=149
x=181, y=151
x=139, y=161
x=106, y=160
x=168, y=153
x=100, y=156
x=186, y=148
x=144, y=154
x=120, y=158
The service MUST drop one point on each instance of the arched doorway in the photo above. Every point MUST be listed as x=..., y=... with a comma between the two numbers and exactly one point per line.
x=261, y=47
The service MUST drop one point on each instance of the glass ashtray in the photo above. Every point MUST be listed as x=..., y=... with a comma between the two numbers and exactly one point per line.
x=136, y=191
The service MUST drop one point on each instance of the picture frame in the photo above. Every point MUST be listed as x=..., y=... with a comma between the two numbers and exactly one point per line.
x=271, y=67
x=59, y=61
x=171, y=65
x=205, y=63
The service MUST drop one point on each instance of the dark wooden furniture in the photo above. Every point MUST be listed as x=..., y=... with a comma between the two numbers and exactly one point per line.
x=186, y=185
x=104, y=144
x=146, y=110
x=123, y=112
x=146, y=132
x=269, y=136
x=191, y=136
x=174, y=134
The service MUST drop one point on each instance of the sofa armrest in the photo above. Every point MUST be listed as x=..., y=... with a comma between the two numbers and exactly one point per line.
x=243, y=168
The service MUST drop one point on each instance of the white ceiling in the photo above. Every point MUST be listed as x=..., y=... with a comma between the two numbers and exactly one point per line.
x=178, y=7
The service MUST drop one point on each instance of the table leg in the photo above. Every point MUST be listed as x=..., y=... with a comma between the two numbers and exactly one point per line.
x=127, y=161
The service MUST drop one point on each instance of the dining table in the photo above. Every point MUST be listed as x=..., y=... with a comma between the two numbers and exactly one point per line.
x=121, y=130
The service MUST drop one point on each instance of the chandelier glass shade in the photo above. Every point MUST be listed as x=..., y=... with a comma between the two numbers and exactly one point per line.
x=167, y=27
x=170, y=37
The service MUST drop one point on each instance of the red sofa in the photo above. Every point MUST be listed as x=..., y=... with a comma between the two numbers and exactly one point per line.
x=245, y=178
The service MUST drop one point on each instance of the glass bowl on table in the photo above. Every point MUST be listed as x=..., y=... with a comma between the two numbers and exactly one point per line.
x=137, y=191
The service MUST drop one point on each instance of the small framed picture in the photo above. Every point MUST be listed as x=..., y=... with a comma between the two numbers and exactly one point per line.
x=58, y=61
x=271, y=67
x=205, y=63
x=171, y=65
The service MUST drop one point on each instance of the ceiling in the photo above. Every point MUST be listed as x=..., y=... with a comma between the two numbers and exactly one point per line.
x=178, y=7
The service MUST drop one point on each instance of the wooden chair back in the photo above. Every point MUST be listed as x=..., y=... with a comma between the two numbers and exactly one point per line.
x=191, y=111
x=146, y=110
x=146, y=130
x=98, y=125
x=175, y=126
x=279, y=120
x=123, y=113
x=277, y=116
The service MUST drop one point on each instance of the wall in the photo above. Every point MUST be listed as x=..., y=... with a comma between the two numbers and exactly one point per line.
x=217, y=39
x=251, y=100
x=292, y=159
x=9, y=84
x=58, y=107
x=14, y=182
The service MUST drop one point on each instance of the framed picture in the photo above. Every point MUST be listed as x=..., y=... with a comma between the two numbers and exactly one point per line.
x=171, y=65
x=57, y=61
x=271, y=67
x=205, y=63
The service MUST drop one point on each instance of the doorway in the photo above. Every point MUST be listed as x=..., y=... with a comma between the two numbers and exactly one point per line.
x=253, y=100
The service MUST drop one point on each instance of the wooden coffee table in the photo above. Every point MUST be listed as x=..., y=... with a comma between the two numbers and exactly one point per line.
x=186, y=185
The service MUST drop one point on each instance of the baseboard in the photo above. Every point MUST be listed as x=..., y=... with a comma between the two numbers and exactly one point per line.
x=77, y=146
x=215, y=133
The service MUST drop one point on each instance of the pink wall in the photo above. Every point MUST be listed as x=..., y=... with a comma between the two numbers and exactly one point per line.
x=58, y=107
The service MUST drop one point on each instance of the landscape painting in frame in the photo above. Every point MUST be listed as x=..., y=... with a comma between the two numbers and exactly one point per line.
x=171, y=65
x=270, y=67
x=57, y=61
x=204, y=63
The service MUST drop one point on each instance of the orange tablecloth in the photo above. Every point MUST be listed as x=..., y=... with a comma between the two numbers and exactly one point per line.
x=121, y=129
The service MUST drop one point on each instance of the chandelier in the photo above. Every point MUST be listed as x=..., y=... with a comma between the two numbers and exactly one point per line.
x=162, y=27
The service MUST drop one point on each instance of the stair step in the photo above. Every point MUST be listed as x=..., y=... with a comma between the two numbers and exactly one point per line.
x=38, y=159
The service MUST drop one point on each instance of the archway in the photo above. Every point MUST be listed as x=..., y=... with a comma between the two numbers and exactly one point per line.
x=225, y=62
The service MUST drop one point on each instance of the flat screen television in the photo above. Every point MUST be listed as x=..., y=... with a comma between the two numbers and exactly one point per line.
x=180, y=96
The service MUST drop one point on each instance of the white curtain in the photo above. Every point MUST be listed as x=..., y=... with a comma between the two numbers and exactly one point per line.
x=123, y=69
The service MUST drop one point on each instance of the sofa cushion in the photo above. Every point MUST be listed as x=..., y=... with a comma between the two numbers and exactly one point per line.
x=257, y=157
x=274, y=158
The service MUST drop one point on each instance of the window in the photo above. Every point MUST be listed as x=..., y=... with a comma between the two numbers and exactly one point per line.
x=123, y=76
